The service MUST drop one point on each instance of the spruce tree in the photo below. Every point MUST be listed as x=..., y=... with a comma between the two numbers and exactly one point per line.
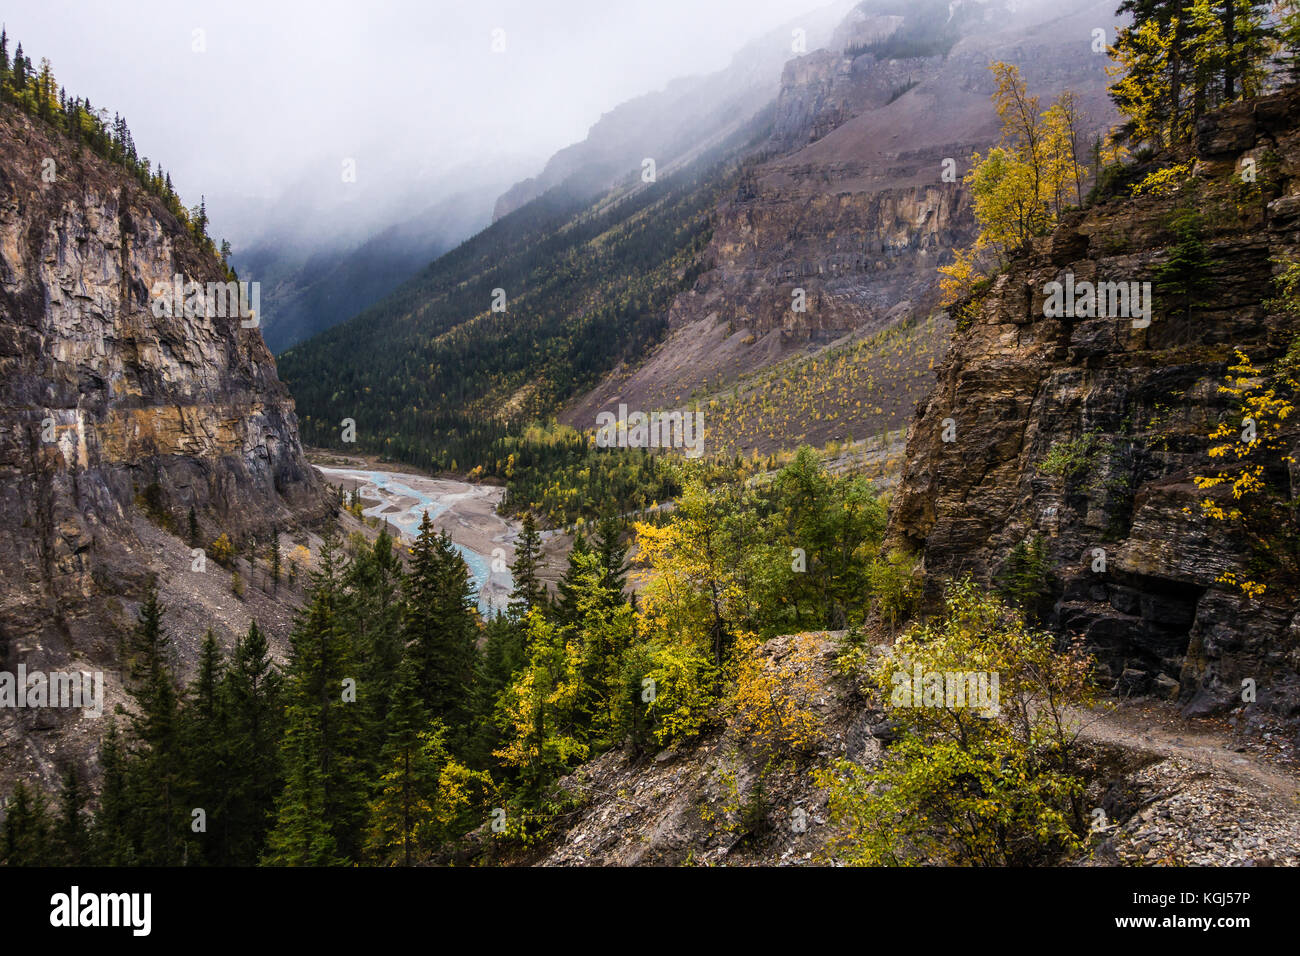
x=503, y=657
x=567, y=590
x=72, y=834
x=27, y=840
x=322, y=808
x=111, y=835
x=529, y=591
x=613, y=554
x=251, y=689
x=156, y=769
x=372, y=613
x=274, y=560
x=408, y=777
x=206, y=739
x=440, y=630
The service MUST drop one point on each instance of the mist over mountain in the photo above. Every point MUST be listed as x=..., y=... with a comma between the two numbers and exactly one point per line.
x=313, y=277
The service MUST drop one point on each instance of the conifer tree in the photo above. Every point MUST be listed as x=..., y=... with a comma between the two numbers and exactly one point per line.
x=1288, y=45
x=529, y=591
x=251, y=689
x=72, y=834
x=503, y=657
x=155, y=769
x=568, y=588
x=540, y=713
x=440, y=629
x=613, y=554
x=1178, y=59
x=27, y=840
x=206, y=741
x=408, y=775
x=111, y=834
x=373, y=614
x=321, y=810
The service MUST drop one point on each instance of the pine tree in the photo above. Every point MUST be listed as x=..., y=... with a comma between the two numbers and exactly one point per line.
x=424, y=794
x=155, y=770
x=149, y=648
x=274, y=560
x=111, y=835
x=605, y=625
x=206, y=739
x=322, y=808
x=409, y=776
x=372, y=612
x=568, y=588
x=27, y=840
x=72, y=834
x=251, y=689
x=503, y=657
x=529, y=591
x=1178, y=59
x=440, y=629
x=613, y=554
x=19, y=71
x=1186, y=273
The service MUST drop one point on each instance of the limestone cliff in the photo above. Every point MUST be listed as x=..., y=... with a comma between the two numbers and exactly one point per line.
x=1128, y=412
x=109, y=411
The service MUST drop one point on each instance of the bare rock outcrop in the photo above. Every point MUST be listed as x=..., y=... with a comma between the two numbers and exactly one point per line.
x=1127, y=410
x=110, y=412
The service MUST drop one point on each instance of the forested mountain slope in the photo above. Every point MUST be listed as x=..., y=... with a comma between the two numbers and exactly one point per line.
x=436, y=372
x=837, y=188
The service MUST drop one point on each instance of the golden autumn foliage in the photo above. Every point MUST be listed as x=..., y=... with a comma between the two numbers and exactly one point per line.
x=774, y=701
x=1022, y=185
x=221, y=550
x=1251, y=446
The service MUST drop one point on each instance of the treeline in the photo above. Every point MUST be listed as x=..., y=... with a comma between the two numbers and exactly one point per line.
x=562, y=476
x=403, y=720
x=361, y=746
x=35, y=91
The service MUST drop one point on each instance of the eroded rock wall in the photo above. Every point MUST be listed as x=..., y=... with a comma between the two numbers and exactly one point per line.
x=104, y=406
x=1018, y=385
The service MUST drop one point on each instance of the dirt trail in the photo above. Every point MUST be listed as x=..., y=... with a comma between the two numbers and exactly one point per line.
x=1152, y=728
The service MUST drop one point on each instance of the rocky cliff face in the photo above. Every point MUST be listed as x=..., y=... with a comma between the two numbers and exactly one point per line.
x=854, y=208
x=1128, y=411
x=110, y=411
x=849, y=202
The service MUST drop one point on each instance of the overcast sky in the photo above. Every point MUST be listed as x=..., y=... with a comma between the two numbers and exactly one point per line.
x=285, y=90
